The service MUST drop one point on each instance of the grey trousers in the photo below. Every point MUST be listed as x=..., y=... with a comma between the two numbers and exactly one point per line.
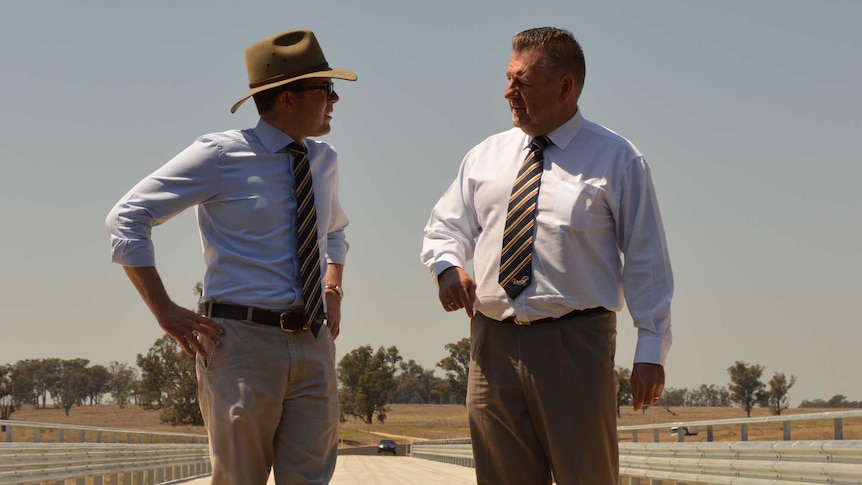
x=269, y=402
x=541, y=401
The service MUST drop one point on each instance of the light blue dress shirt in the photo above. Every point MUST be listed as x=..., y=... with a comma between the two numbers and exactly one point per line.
x=241, y=184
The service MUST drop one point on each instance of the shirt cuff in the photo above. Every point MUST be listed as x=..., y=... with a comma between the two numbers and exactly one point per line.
x=128, y=252
x=651, y=349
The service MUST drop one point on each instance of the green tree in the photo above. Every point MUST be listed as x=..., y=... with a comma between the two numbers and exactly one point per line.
x=199, y=292
x=23, y=389
x=181, y=406
x=168, y=382
x=6, y=392
x=673, y=397
x=624, y=387
x=70, y=386
x=709, y=395
x=155, y=373
x=745, y=386
x=457, y=367
x=413, y=384
x=441, y=392
x=123, y=383
x=33, y=380
x=779, y=388
x=98, y=377
x=367, y=382
x=46, y=374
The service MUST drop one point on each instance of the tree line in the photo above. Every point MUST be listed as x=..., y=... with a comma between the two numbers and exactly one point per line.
x=746, y=390
x=165, y=380
x=369, y=381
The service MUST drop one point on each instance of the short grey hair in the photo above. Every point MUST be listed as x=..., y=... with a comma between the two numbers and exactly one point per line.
x=562, y=52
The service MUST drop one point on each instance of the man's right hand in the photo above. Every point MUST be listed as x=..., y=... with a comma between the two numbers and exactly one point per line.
x=182, y=324
x=457, y=290
x=185, y=326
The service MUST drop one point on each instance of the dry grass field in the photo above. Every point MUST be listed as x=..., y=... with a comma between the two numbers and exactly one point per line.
x=407, y=423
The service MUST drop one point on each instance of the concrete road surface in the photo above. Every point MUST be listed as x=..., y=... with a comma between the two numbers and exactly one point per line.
x=368, y=470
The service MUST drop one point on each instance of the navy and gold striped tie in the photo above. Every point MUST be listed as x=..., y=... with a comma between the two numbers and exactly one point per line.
x=516, y=268
x=306, y=229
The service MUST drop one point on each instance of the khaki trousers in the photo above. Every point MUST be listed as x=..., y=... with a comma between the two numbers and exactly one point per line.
x=269, y=402
x=541, y=401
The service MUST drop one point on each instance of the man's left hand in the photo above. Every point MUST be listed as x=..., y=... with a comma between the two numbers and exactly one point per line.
x=333, y=313
x=647, y=384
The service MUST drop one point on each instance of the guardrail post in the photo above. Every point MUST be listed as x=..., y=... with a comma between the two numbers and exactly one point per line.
x=8, y=430
x=655, y=437
x=743, y=432
x=35, y=435
x=60, y=436
x=709, y=433
x=81, y=436
x=680, y=436
x=634, y=436
x=838, y=429
x=785, y=427
x=98, y=436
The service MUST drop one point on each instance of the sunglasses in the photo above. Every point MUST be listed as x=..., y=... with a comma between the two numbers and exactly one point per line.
x=329, y=89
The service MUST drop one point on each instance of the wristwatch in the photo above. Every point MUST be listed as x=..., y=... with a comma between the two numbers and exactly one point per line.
x=337, y=289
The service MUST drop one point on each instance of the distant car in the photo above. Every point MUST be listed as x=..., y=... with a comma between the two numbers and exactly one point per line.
x=386, y=445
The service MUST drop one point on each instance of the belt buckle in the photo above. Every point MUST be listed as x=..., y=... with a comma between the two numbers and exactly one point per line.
x=305, y=326
x=518, y=321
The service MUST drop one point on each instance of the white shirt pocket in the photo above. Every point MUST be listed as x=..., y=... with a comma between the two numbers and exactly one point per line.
x=580, y=207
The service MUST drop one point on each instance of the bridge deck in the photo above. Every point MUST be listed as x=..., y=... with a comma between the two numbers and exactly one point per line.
x=365, y=469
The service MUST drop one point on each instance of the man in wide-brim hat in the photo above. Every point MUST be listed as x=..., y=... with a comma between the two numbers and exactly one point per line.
x=274, y=246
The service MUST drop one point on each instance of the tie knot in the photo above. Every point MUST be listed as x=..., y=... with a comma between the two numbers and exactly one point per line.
x=540, y=143
x=296, y=149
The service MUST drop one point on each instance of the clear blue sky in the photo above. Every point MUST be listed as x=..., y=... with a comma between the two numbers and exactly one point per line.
x=748, y=114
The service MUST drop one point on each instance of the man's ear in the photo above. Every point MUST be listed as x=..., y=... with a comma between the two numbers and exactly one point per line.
x=285, y=99
x=569, y=87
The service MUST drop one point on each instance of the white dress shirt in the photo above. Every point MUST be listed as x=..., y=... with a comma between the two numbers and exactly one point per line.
x=597, y=207
x=243, y=190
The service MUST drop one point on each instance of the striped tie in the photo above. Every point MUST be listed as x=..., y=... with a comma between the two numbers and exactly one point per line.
x=516, y=268
x=309, y=254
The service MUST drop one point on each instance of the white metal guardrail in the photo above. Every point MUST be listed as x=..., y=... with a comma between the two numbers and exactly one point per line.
x=76, y=433
x=836, y=461
x=23, y=463
x=837, y=418
x=131, y=457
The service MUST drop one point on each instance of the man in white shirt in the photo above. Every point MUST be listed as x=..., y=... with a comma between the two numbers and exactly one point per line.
x=273, y=238
x=548, y=211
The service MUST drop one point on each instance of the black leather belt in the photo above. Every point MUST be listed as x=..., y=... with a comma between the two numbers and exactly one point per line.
x=289, y=320
x=572, y=314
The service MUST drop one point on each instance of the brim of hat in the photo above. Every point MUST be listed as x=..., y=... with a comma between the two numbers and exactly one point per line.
x=335, y=73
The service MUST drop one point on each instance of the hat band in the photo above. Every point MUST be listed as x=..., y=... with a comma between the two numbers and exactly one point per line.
x=282, y=77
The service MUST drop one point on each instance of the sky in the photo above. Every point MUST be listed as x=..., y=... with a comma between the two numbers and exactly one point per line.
x=747, y=113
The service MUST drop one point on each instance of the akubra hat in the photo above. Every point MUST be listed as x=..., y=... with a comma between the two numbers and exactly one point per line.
x=285, y=58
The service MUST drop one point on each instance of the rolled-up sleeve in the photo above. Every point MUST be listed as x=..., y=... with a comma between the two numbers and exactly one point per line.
x=186, y=180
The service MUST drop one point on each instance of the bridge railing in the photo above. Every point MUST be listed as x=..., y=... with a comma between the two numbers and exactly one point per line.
x=738, y=462
x=53, y=453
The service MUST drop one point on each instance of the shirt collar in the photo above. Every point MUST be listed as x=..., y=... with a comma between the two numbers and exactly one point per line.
x=565, y=133
x=271, y=137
